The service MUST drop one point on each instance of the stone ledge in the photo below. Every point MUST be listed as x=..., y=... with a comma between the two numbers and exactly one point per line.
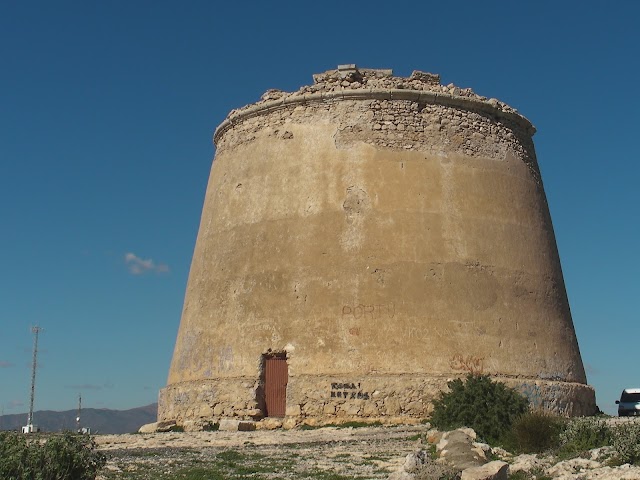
x=227, y=425
x=418, y=96
x=389, y=399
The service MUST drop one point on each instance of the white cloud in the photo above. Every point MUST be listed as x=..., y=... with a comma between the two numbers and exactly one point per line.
x=14, y=403
x=140, y=266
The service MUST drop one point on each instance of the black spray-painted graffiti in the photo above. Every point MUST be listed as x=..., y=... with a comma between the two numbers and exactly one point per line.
x=348, y=391
x=369, y=311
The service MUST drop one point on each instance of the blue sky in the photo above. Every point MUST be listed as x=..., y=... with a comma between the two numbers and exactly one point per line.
x=107, y=110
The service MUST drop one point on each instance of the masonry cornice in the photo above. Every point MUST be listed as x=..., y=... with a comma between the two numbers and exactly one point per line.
x=490, y=106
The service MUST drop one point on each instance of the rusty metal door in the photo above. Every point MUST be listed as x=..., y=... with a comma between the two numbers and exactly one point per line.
x=276, y=376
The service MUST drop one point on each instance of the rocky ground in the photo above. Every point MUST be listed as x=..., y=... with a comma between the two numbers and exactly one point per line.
x=325, y=453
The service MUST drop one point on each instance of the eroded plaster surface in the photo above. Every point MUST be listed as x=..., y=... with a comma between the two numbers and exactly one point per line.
x=388, y=234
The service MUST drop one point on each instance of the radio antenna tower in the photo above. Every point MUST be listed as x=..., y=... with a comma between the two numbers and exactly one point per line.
x=30, y=428
x=78, y=416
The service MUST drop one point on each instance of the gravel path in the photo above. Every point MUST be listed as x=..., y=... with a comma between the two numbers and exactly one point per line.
x=325, y=453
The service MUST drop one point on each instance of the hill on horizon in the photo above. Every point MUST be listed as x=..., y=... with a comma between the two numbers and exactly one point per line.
x=99, y=420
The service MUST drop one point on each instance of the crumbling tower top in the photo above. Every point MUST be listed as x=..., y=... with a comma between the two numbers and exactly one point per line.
x=348, y=82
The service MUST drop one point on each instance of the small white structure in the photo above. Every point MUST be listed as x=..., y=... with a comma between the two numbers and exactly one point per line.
x=31, y=428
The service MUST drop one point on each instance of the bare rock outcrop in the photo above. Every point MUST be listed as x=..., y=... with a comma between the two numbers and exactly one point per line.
x=496, y=470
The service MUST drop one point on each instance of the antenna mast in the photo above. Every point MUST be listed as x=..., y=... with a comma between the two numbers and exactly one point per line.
x=79, y=410
x=36, y=331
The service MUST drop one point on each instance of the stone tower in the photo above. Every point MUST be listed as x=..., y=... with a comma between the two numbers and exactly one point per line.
x=363, y=241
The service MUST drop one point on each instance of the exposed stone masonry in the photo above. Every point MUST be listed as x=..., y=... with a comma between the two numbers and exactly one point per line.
x=314, y=400
x=415, y=113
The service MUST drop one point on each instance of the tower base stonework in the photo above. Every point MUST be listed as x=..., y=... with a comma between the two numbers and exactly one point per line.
x=363, y=241
x=384, y=399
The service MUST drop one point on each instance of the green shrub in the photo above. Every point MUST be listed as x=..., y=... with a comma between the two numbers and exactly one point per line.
x=60, y=457
x=486, y=406
x=626, y=443
x=535, y=432
x=582, y=434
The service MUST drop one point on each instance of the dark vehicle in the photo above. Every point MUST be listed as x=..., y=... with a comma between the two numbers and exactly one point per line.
x=629, y=403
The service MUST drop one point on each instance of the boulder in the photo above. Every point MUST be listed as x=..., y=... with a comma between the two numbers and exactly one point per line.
x=622, y=472
x=526, y=463
x=270, y=423
x=149, y=428
x=574, y=465
x=457, y=449
x=496, y=470
x=420, y=465
x=414, y=461
x=289, y=423
x=165, y=426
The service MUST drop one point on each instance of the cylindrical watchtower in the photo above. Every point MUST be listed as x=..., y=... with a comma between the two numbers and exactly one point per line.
x=362, y=241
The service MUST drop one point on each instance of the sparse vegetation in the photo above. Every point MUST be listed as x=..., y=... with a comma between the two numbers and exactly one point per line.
x=488, y=407
x=235, y=464
x=346, y=455
x=351, y=424
x=52, y=457
x=536, y=431
x=626, y=443
x=582, y=434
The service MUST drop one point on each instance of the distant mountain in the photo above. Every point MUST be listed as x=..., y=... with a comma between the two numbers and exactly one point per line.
x=99, y=420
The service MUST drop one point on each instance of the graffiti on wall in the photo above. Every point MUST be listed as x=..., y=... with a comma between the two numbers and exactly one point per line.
x=268, y=331
x=467, y=363
x=551, y=397
x=369, y=312
x=348, y=390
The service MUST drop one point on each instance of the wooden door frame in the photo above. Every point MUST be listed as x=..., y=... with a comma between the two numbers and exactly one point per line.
x=261, y=391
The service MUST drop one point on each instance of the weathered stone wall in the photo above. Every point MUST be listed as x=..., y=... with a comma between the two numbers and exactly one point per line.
x=414, y=115
x=387, y=232
x=317, y=400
